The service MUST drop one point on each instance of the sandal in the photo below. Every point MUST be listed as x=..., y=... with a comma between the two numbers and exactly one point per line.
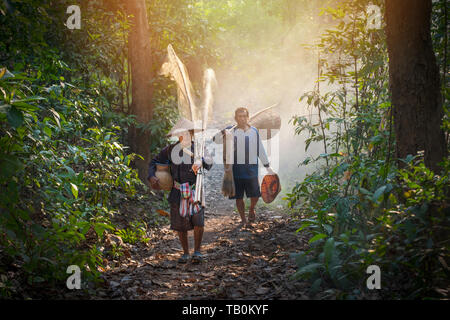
x=251, y=217
x=183, y=259
x=197, y=257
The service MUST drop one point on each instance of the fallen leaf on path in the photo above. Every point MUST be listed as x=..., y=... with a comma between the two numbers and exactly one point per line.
x=162, y=284
x=208, y=274
x=162, y=213
x=127, y=253
x=236, y=294
x=262, y=290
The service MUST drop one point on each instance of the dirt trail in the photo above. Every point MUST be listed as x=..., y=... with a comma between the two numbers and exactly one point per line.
x=251, y=263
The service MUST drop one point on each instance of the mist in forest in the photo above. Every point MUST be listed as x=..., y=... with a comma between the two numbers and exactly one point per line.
x=278, y=70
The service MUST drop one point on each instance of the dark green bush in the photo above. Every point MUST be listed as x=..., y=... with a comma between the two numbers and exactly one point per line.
x=61, y=165
x=358, y=206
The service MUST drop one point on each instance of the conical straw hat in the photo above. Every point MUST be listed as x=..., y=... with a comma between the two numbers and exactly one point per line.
x=183, y=125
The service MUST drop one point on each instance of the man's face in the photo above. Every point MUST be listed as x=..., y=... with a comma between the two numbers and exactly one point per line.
x=241, y=119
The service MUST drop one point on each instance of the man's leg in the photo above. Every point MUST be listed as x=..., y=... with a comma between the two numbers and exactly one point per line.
x=239, y=196
x=251, y=211
x=183, y=235
x=240, y=205
x=253, y=192
x=198, y=235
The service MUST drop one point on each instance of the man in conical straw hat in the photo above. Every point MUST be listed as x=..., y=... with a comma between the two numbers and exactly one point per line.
x=185, y=215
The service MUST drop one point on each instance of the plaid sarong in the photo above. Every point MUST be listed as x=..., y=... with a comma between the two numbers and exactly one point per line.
x=187, y=199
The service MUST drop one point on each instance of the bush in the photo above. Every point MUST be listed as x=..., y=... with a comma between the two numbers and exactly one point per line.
x=358, y=206
x=62, y=166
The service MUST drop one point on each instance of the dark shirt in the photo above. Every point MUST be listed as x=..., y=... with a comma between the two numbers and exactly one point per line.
x=181, y=173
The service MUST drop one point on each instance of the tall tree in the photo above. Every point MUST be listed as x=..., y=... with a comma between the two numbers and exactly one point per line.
x=414, y=81
x=142, y=74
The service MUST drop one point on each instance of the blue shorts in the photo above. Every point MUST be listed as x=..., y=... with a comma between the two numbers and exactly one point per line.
x=250, y=186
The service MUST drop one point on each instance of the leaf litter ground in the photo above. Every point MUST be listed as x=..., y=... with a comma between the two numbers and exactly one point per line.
x=239, y=263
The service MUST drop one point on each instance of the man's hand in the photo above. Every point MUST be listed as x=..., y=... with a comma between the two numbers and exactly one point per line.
x=154, y=182
x=270, y=171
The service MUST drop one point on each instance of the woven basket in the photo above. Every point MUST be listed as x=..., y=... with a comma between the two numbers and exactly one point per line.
x=266, y=119
x=270, y=188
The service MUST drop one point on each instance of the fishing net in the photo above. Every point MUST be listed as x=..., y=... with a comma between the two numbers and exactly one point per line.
x=198, y=115
x=174, y=68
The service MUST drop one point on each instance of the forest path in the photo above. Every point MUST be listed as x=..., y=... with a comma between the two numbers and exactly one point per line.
x=249, y=263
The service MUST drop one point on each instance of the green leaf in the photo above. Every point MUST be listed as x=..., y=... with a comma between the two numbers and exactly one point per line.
x=317, y=237
x=84, y=227
x=316, y=285
x=48, y=131
x=118, y=146
x=328, y=228
x=15, y=117
x=378, y=193
x=24, y=106
x=300, y=259
x=364, y=191
x=303, y=226
x=38, y=279
x=101, y=227
x=8, y=74
x=4, y=108
x=308, y=269
x=10, y=166
x=328, y=250
x=74, y=189
x=31, y=98
x=47, y=260
x=70, y=171
x=56, y=117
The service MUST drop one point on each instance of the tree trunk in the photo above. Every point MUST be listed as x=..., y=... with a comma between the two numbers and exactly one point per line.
x=140, y=59
x=414, y=81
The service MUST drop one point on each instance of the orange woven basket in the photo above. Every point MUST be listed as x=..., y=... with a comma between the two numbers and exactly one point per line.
x=270, y=188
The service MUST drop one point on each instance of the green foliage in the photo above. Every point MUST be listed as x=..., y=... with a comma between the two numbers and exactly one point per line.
x=64, y=114
x=135, y=233
x=400, y=226
x=165, y=114
x=358, y=207
x=60, y=172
